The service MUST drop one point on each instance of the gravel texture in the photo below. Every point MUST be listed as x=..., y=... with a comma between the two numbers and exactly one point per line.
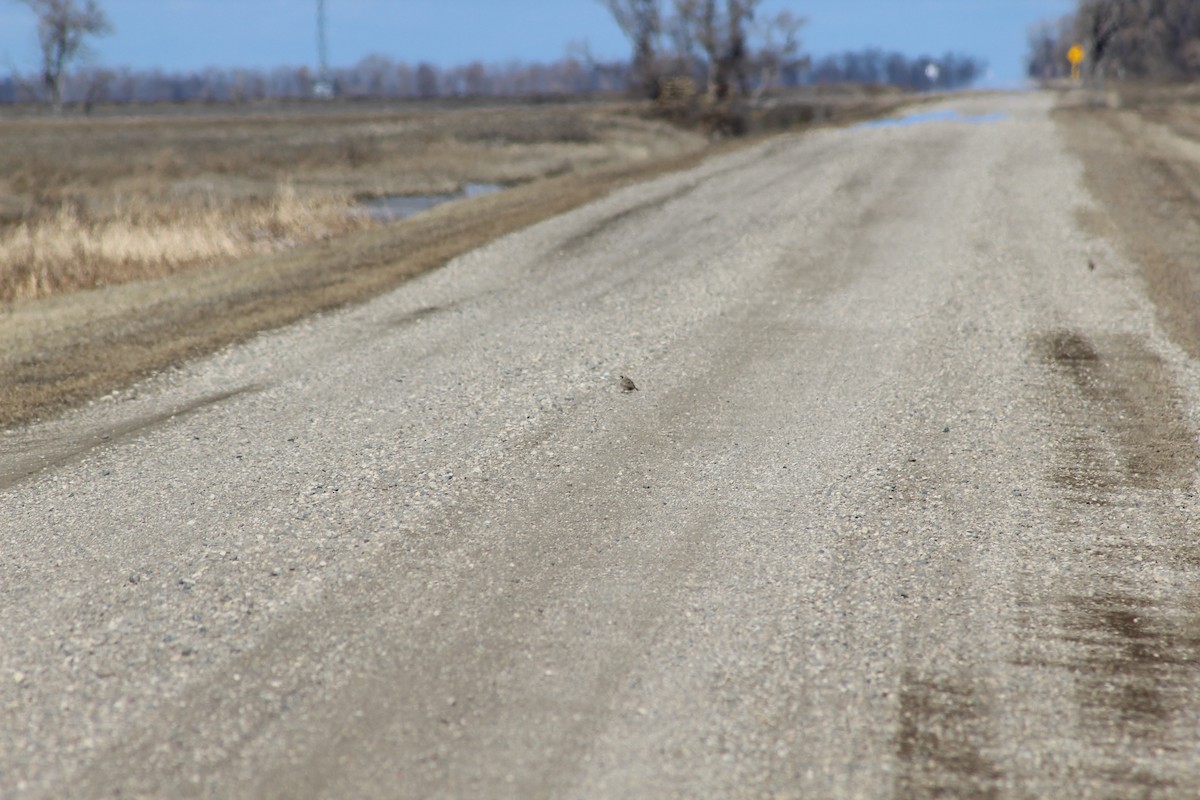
x=904, y=506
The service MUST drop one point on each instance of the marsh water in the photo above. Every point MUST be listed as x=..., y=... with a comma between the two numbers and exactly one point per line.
x=389, y=208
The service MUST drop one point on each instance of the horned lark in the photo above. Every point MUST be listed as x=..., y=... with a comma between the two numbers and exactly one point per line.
x=627, y=385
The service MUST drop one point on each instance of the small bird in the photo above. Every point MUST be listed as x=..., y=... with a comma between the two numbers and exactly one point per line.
x=1091, y=265
x=627, y=385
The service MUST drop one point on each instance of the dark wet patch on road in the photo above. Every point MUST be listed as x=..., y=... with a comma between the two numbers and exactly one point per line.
x=1136, y=668
x=1121, y=478
x=1119, y=418
x=1130, y=659
x=603, y=226
x=34, y=453
x=414, y=316
x=942, y=739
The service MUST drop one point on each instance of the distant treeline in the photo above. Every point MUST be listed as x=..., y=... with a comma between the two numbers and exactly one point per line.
x=373, y=77
x=1121, y=38
x=953, y=70
x=378, y=76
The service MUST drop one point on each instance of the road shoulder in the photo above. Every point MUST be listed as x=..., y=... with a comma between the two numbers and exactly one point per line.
x=1144, y=172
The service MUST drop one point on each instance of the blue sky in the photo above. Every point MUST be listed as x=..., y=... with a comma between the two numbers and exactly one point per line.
x=192, y=34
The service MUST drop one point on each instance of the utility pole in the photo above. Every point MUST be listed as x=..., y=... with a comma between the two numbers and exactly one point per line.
x=323, y=88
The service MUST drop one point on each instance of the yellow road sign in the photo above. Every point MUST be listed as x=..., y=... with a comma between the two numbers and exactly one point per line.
x=1075, y=56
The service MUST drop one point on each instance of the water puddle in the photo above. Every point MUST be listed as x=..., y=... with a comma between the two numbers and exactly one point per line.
x=399, y=206
x=922, y=117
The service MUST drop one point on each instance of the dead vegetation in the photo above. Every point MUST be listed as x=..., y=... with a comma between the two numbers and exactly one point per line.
x=781, y=111
x=66, y=251
x=89, y=203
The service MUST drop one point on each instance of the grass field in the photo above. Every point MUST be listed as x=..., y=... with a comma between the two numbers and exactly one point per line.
x=93, y=202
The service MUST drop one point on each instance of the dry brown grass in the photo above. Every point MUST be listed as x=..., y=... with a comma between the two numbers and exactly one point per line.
x=87, y=202
x=65, y=251
x=199, y=156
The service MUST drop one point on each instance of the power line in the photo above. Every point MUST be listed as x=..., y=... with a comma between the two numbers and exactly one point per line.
x=323, y=88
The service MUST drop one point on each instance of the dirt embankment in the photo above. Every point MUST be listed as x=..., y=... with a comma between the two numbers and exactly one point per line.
x=59, y=351
x=1140, y=147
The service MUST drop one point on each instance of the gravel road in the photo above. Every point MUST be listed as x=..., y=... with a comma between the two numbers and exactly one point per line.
x=905, y=506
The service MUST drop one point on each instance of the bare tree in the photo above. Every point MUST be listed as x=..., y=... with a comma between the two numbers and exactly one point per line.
x=1136, y=38
x=96, y=88
x=62, y=27
x=739, y=14
x=1099, y=23
x=1049, y=41
x=641, y=21
x=722, y=34
x=427, y=80
x=679, y=34
x=780, y=36
x=703, y=19
x=602, y=76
